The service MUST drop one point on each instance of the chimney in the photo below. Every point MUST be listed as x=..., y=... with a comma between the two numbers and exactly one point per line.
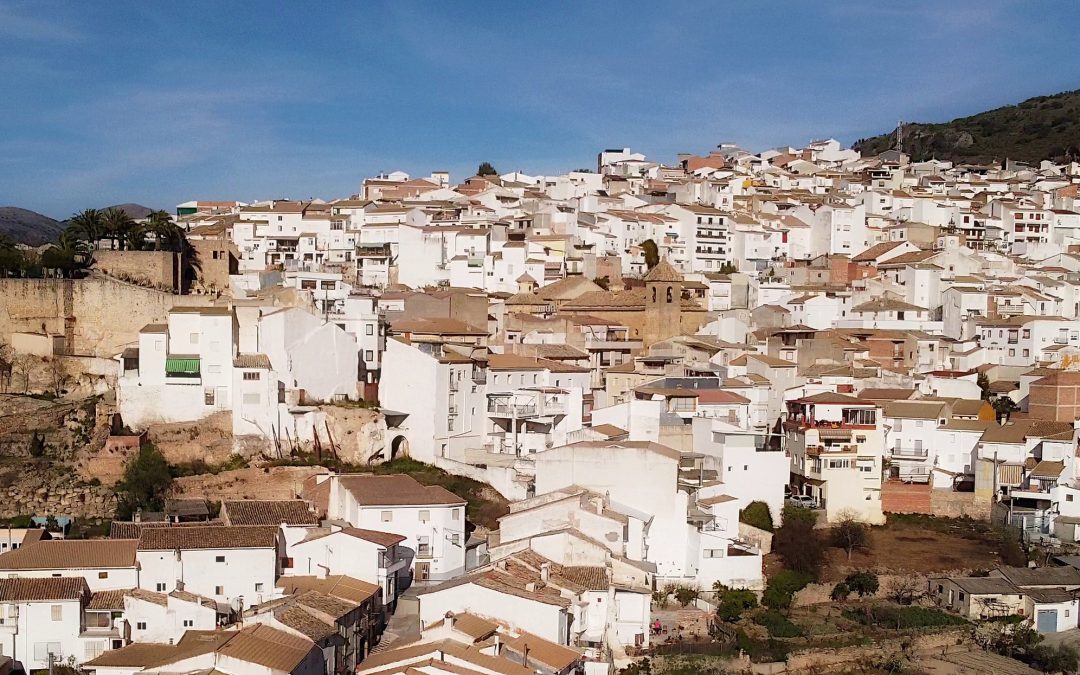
x=530, y=587
x=498, y=645
x=545, y=572
x=450, y=618
x=138, y=516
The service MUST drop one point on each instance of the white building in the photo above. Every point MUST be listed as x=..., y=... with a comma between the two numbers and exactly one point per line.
x=430, y=518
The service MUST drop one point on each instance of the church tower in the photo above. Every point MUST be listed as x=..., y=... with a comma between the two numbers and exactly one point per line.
x=663, y=303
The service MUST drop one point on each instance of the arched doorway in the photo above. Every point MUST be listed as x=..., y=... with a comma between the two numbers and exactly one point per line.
x=399, y=447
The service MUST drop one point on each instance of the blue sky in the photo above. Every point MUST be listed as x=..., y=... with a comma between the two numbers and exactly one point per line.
x=160, y=102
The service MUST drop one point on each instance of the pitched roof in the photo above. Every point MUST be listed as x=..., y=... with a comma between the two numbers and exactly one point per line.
x=123, y=529
x=663, y=272
x=149, y=654
x=475, y=627
x=534, y=648
x=1015, y=431
x=339, y=586
x=876, y=251
x=187, y=538
x=396, y=490
x=1041, y=576
x=269, y=647
x=268, y=512
x=43, y=589
x=305, y=622
x=886, y=394
x=107, y=600
x=914, y=410
x=71, y=554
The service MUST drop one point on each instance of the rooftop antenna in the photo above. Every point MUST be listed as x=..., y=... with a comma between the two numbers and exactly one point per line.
x=900, y=136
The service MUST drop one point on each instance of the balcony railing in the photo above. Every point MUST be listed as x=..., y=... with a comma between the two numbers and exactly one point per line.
x=512, y=409
x=910, y=453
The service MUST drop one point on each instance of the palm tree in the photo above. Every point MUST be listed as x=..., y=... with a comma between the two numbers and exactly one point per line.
x=135, y=237
x=160, y=224
x=88, y=224
x=115, y=224
x=72, y=252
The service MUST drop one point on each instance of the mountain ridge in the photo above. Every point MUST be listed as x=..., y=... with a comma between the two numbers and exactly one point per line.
x=1043, y=127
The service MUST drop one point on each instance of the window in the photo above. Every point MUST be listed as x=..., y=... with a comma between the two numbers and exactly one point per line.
x=102, y=575
x=369, y=329
x=455, y=514
x=369, y=355
x=712, y=553
x=455, y=539
x=219, y=558
x=1068, y=498
x=188, y=623
x=425, y=516
x=160, y=588
x=249, y=375
x=258, y=587
x=57, y=612
x=208, y=397
x=387, y=516
x=194, y=338
x=219, y=590
x=141, y=625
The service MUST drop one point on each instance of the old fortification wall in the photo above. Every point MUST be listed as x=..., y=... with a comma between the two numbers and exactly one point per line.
x=145, y=268
x=98, y=316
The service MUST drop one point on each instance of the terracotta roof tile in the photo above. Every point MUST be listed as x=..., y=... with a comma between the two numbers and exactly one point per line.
x=43, y=589
x=268, y=512
x=186, y=538
x=71, y=554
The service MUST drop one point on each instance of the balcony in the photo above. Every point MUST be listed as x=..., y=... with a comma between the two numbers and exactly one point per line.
x=511, y=409
x=910, y=453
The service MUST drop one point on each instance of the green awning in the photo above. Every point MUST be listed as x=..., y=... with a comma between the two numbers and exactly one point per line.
x=181, y=366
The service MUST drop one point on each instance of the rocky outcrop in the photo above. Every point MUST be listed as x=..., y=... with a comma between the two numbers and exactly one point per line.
x=41, y=494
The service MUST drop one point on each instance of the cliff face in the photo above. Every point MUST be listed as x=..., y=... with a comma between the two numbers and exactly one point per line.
x=1044, y=127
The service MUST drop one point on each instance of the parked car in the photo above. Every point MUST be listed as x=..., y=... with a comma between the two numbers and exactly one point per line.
x=805, y=501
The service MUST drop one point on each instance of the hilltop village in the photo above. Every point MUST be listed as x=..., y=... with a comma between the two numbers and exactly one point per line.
x=520, y=424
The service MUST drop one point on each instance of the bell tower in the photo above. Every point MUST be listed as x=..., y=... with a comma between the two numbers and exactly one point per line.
x=663, y=303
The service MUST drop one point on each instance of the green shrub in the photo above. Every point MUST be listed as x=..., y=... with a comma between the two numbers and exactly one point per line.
x=757, y=514
x=840, y=591
x=863, y=583
x=782, y=587
x=798, y=544
x=731, y=603
x=685, y=595
x=777, y=624
x=1059, y=659
x=146, y=480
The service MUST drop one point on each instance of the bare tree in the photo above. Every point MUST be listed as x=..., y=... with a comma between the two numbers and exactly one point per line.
x=850, y=534
x=7, y=357
x=59, y=375
x=904, y=590
x=23, y=365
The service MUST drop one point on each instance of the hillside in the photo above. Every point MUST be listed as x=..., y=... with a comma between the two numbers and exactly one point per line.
x=1044, y=127
x=28, y=227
